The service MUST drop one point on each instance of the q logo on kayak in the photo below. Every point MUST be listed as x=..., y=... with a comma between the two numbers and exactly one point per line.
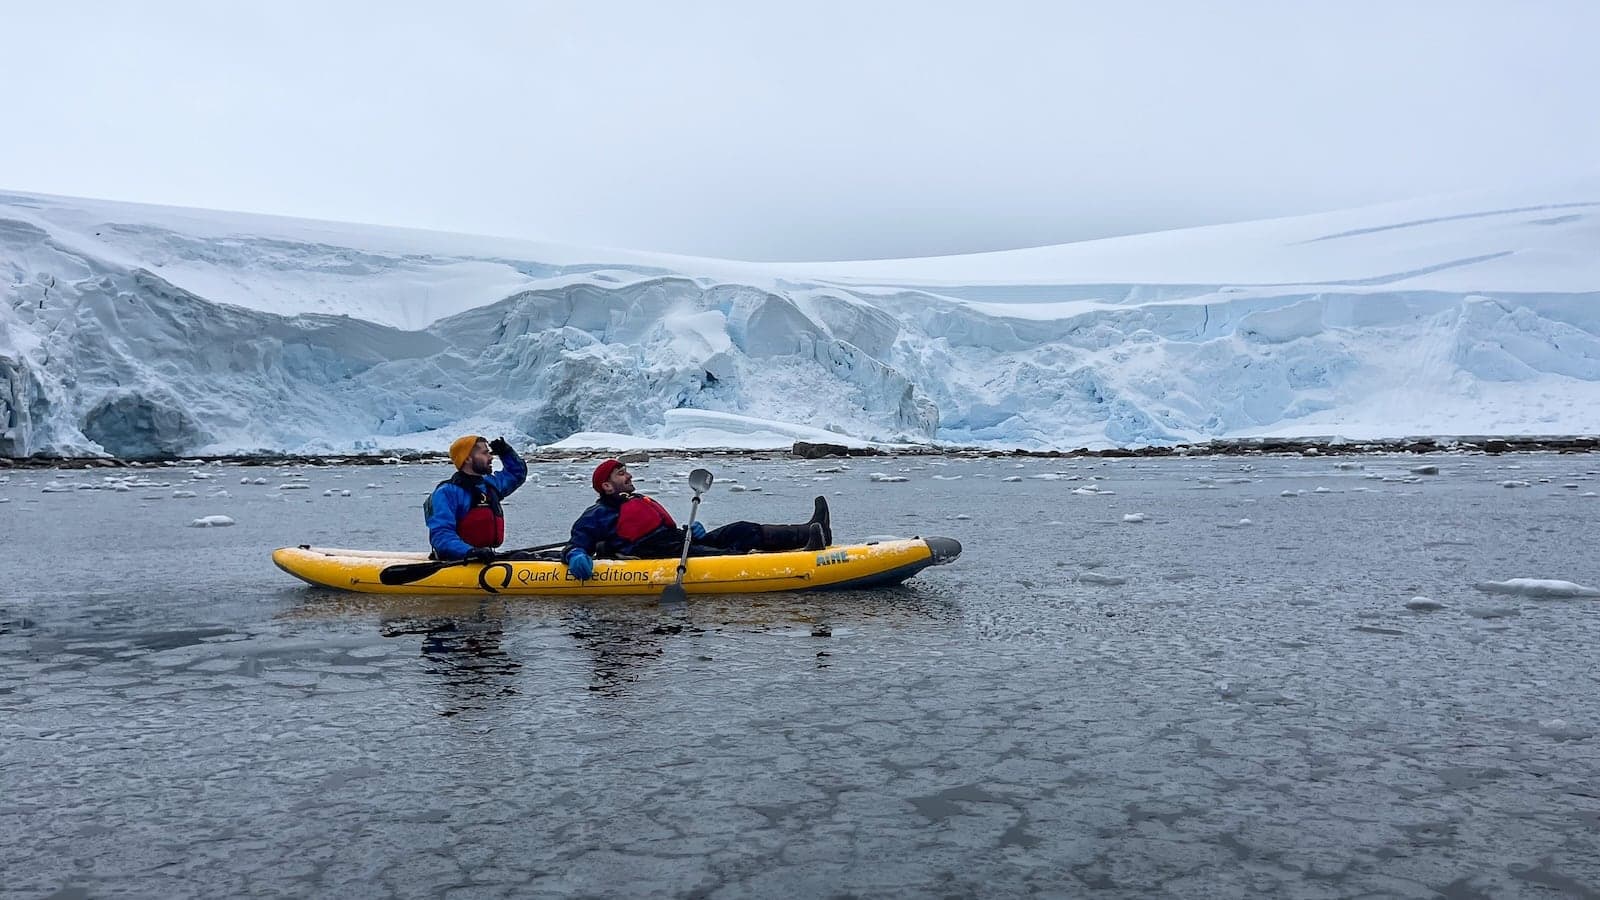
x=483, y=576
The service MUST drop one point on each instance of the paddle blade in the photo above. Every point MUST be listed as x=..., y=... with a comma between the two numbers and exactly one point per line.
x=700, y=480
x=674, y=593
x=409, y=572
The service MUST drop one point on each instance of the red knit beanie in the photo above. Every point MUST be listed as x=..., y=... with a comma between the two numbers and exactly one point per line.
x=602, y=472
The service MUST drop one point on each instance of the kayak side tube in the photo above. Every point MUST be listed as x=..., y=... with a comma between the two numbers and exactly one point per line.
x=850, y=566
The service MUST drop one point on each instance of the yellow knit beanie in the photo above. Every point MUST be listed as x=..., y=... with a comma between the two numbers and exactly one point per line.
x=462, y=448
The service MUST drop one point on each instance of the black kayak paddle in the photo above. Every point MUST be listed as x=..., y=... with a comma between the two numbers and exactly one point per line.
x=406, y=573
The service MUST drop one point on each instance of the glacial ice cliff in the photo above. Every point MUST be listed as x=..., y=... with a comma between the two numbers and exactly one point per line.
x=147, y=331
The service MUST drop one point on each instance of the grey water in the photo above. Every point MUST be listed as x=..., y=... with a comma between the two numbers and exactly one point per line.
x=1229, y=697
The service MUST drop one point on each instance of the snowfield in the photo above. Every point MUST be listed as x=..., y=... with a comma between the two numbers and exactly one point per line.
x=146, y=331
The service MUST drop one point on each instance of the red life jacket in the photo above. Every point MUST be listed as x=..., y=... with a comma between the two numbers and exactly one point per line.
x=484, y=523
x=639, y=515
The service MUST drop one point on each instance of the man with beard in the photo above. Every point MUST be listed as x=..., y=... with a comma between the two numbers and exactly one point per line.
x=464, y=517
x=623, y=523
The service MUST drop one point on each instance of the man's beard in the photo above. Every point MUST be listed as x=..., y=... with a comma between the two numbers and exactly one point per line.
x=482, y=468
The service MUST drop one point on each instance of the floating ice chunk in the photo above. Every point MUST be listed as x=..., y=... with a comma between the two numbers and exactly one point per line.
x=737, y=488
x=219, y=494
x=1537, y=588
x=1561, y=731
x=830, y=470
x=1291, y=493
x=343, y=493
x=56, y=487
x=1347, y=465
x=1092, y=491
x=1097, y=578
x=961, y=516
x=374, y=487
x=5, y=499
x=328, y=492
x=211, y=522
x=1056, y=476
x=947, y=478
x=184, y=495
x=1571, y=486
x=1515, y=484
x=1012, y=478
x=886, y=478
x=201, y=476
x=1424, y=604
x=294, y=487
x=1134, y=517
x=245, y=480
x=1424, y=470
x=1589, y=494
x=1321, y=490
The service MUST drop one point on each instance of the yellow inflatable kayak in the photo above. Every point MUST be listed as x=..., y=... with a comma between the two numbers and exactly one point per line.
x=849, y=566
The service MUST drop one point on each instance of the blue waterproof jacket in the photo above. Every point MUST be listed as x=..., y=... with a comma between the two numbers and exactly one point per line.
x=451, y=501
x=596, y=526
x=595, y=533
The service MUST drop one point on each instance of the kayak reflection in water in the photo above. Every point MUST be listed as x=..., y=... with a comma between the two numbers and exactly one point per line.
x=467, y=656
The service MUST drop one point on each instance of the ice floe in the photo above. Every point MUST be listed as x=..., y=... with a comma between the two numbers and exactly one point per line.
x=211, y=522
x=1098, y=578
x=1537, y=588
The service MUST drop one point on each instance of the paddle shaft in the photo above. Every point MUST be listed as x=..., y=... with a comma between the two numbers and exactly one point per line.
x=688, y=538
x=700, y=482
x=409, y=572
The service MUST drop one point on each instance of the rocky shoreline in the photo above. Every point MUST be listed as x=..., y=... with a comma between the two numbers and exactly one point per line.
x=804, y=450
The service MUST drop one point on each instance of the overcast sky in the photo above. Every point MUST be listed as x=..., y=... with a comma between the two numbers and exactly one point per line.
x=797, y=131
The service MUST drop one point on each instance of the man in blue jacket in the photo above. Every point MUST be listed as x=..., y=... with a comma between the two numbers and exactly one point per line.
x=464, y=517
x=624, y=523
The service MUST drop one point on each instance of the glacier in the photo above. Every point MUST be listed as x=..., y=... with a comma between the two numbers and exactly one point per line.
x=141, y=331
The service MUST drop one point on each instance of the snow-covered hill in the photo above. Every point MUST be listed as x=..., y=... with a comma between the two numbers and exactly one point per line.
x=140, y=330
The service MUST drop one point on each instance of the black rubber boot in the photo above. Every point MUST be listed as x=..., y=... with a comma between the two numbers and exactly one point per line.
x=819, y=516
x=792, y=537
x=816, y=537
